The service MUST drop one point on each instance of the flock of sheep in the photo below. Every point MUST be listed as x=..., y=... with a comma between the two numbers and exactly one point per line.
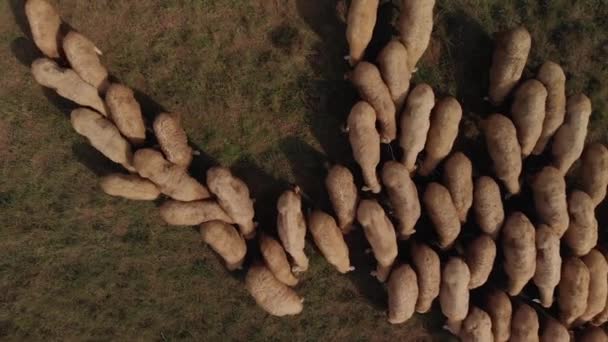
x=541, y=118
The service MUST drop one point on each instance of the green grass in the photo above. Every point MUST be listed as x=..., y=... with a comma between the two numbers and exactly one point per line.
x=260, y=87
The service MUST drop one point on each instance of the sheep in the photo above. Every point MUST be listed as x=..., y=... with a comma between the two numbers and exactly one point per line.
x=554, y=331
x=270, y=294
x=498, y=306
x=171, y=179
x=519, y=249
x=594, y=172
x=343, y=196
x=380, y=234
x=365, y=143
x=549, y=192
x=525, y=325
x=593, y=334
x=454, y=292
x=440, y=208
x=528, y=114
x=548, y=264
x=360, y=25
x=415, y=123
x=415, y=28
x=226, y=241
x=569, y=141
x=395, y=71
x=488, y=207
x=601, y=317
x=233, y=196
x=582, y=233
x=508, y=62
x=505, y=152
x=573, y=290
x=130, y=187
x=126, y=113
x=45, y=24
x=292, y=228
x=276, y=260
x=178, y=213
x=330, y=241
x=458, y=178
x=368, y=81
x=428, y=269
x=403, y=195
x=477, y=327
x=553, y=78
x=480, y=255
x=445, y=119
x=172, y=139
x=103, y=135
x=67, y=84
x=402, y=294
x=83, y=56
x=598, y=284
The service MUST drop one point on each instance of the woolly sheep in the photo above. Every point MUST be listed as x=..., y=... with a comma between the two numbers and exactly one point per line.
x=415, y=123
x=130, y=187
x=458, y=179
x=178, y=213
x=480, y=256
x=573, y=290
x=83, y=56
x=525, y=325
x=477, y=327
x=172, y=139
x=440, y=208
x=593, y=334
x=594, y=172
x=395, y=71
x=554, y=331
x=428, y=269
x=126, y=113
x=549, y=191
x=454, y=292
x=368, y=81
x=548, y=264
x=553, y=78
x=233, y=196
x=103, y=135
x=582, y=233
x=365, y=143
x=292, y=228
x=403, y=196
x=519, y=250
x=329, y=240
x=598, y=284
x=45, y=23
x=270, y=294
x=498, y=306
x=360, y=27
x=569, y=141
x=445, y=119
x=276, y=260
x=505, y=152
x=171, y=179
x=415, y=28
x=343, y=195
x=380, y=234
x=488, y=207
x=508, y=62
x=402, y=294
x=528, y=113
x=602, y=317
x=226, y=241
x=67, y=84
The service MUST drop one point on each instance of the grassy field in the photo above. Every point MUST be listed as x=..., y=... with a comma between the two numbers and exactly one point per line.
x=260, y=85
